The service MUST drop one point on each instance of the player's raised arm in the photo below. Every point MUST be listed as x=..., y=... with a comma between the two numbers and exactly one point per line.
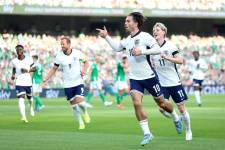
x=114, y=44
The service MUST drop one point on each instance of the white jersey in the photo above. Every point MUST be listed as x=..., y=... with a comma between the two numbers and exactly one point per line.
x=71, y=67
x=140, y=67
x=22, y=79
x=197, y=68
x=167, y=70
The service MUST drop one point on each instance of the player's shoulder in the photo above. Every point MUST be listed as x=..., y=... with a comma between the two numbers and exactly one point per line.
x=145, y=34
x=171, y=44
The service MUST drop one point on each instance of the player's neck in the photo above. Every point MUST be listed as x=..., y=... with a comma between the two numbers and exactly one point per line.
x=160, y=41
x=134, y=32
x=68, y=52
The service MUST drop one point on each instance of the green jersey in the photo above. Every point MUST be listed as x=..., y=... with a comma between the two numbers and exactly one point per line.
x=120, y=75
x=94, y=72
x=37, y=75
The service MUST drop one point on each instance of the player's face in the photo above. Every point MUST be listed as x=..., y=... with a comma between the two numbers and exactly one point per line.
x=196, y=55
x=130, y=24
x=158, y=33
x=19, y=51
x=64, y=45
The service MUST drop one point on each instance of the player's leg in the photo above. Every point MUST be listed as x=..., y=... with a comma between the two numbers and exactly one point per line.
x=21, y=92
x=186, y=118
x=35, y=97
x=119, y=98
x=136, y=95
x=30, y=99
x=197, y=87
x=75, y=95
x=90, y=92
x=166, y=97
x=153, y=86
x=79, y=90
x=179, y=97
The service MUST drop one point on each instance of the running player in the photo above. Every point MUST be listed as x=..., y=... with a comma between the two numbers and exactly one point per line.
x=21, y=72
x=121, y=81
x=69, y=59
x=95, y=84
x=37, y=78
x=197, y=67
x=138, y=46
x=165, y=65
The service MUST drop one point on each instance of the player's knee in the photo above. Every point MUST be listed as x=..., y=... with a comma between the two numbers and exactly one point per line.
x=136, y=103
x=181, y=108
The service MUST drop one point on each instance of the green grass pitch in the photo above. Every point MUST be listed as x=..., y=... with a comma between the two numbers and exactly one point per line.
x=55, y=128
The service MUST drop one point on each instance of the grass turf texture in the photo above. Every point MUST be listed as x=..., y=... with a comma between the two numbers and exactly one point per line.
x=55, y=128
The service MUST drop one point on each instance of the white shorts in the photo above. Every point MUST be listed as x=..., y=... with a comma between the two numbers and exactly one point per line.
x=95, y=85
x=37, y=88
x=120, y=85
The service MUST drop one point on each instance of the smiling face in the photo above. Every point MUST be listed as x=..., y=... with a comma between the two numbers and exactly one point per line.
x=65, y=45
x=158, y=33
x=130, y=25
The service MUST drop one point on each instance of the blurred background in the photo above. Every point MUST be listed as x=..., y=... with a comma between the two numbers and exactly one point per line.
x=39, y=24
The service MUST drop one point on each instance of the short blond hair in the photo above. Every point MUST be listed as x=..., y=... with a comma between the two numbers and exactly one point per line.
x=161, y=26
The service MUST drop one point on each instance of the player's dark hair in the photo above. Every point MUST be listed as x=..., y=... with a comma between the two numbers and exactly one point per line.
x=67, y=39
x=19, y=46
x=138, y=17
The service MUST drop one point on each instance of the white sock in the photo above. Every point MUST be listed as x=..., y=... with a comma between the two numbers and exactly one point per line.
x=76, y=111
x=144, y=126
x=174, y=116
x=186, y=118
x=31, y=105
x=165, y=113
x=22, y=108
x=83, y=106
x=197, y=97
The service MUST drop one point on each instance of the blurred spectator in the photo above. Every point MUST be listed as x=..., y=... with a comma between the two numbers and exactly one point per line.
x=212, y=49
x=213, y=5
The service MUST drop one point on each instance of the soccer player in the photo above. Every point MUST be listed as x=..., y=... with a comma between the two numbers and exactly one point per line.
x=165, y=65
x=138, y=46
x=21, y=72
x=121, y=82
x=95, y=84
x=197, y=67
x=73, y=70
x=37, y=78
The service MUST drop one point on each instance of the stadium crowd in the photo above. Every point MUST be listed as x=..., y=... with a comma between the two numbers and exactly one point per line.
x=212, y=49
x=218, y=5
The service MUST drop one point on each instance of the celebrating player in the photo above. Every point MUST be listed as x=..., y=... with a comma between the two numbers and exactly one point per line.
x=69, y=59
x=138, y=46
x=165, y=65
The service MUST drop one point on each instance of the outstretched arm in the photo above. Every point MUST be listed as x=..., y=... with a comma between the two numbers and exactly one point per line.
x=104, y=34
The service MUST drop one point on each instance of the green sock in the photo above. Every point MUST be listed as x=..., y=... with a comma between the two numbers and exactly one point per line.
x=89, y=96
x=118, y=98
x=39, y=101
x=35, y=103
x=102, y=97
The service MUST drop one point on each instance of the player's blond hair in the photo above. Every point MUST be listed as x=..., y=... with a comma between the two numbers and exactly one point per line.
x=161, y=26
